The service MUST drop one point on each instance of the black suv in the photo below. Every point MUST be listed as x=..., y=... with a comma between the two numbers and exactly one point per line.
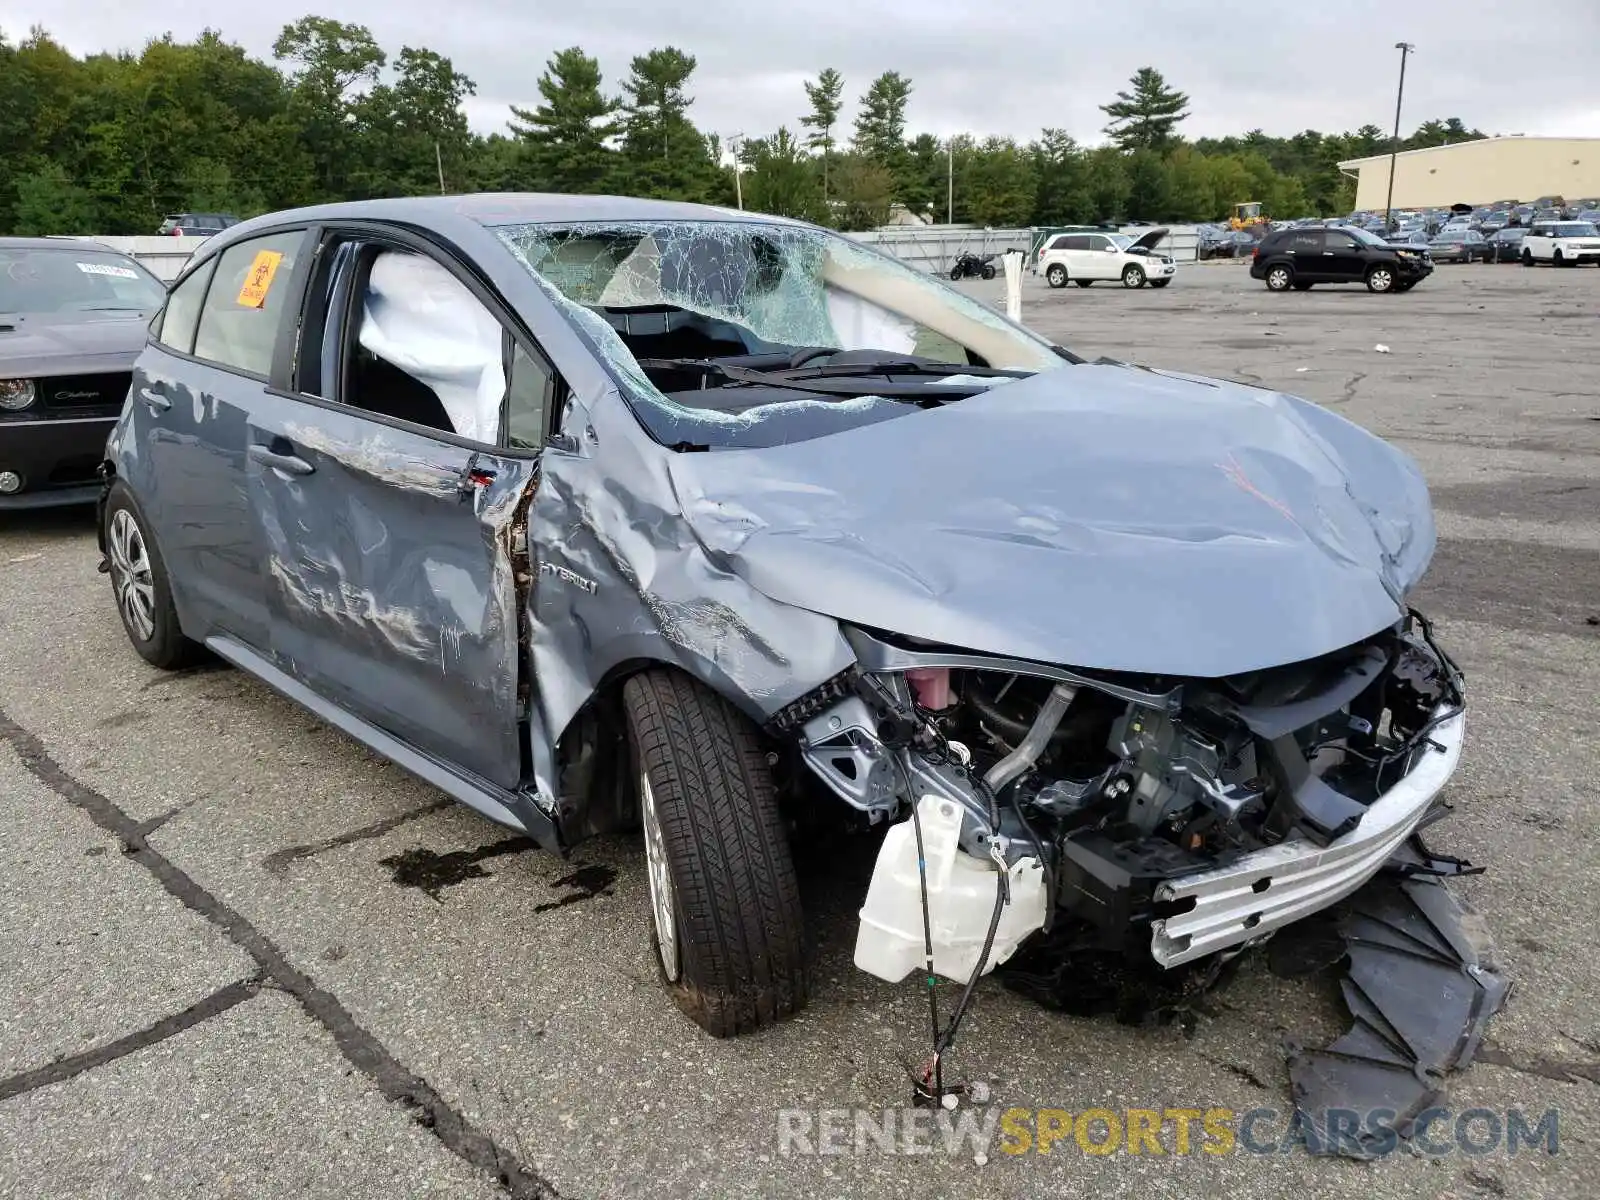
x=1299, y=258
x=196, y=224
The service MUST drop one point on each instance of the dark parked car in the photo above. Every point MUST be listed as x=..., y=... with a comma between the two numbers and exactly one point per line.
x=1494, y=222
x=1413, y=237
x=196, y=224
x=73, y=318
x=1301, y=258
x=603, y=513
x=1458, y=244
x=1505, y=245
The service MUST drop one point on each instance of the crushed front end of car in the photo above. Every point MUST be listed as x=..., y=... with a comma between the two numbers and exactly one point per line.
x=1173, y=817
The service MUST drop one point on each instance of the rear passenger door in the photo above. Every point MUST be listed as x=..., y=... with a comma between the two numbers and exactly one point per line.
x=194, y=390
x=391, y=481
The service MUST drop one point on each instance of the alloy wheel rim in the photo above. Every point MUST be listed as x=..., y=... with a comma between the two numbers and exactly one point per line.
x=1280, y=277
x=1383, y=279
x=662, y=897
x=131, y=579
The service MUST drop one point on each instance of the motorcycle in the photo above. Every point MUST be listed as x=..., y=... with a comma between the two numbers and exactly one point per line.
x=967, y=265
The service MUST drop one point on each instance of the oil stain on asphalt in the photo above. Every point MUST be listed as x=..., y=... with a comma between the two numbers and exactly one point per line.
x=432, y=872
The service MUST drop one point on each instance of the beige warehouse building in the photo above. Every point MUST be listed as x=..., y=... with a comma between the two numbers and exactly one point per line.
x=1480, y=172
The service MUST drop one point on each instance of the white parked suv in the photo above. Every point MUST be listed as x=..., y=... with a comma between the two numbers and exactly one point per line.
x=1084, y=258
x=1561, y=243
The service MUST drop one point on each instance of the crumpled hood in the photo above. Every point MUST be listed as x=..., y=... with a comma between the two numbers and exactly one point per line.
x=1099, y=516
x=71, y=343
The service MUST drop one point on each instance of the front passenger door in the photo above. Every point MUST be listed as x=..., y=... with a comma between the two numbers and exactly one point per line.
x=1341, y=257
x=393, y=515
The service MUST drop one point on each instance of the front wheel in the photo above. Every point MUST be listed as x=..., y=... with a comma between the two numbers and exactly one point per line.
x=1527, y=259
x=141, y=588
x=1132, y=276
x=1561, y=260
x=955, y=272
x=1056, y=275
x=1159, y=283
x=1380, y=279
x=1279, y=278
x=729, y=932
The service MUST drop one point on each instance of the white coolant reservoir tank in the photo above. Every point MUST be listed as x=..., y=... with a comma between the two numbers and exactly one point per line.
x=961, y=891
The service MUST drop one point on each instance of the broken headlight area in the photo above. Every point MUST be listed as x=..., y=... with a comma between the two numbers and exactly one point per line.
x=1177, y=817
x=1124, y=839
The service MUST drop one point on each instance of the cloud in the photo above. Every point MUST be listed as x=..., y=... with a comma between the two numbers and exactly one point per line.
x=975, y=65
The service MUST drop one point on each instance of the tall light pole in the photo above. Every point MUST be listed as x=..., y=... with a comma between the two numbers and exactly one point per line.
x=950, y=182
x=1405, y=48
x=738, y=184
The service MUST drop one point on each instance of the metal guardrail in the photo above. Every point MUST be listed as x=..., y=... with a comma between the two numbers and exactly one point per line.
x=935, y=247
x=930, y=248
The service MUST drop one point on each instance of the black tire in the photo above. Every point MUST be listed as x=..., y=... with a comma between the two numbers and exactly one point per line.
x=1302, y=285
x=1056, y=275
x=1084, y=282
x=1279, y=277
x=1133, y=276
x=1381, y=279
x=1560, y=260
x=1527, y=259
x=140, y=586
x=955, y=272
x=1160, y=283
x=988, y=270
x=739, y=937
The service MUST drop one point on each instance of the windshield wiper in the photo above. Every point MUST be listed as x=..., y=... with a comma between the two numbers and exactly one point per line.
x=855, y=380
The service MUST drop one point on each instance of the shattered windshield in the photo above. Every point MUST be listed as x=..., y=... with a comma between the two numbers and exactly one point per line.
x=742, y=334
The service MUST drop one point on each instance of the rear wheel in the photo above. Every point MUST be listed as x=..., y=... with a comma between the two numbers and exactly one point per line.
x=1133, y=276
x=988, y=270
x=729, y=933
x=1056, y=275
x=141, y=588
x=1279, y=278
x=1380, y=279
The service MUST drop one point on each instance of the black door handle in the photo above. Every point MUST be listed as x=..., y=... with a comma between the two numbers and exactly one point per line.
x=290, y=464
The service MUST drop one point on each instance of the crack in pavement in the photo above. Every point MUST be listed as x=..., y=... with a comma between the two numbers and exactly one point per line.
x=278, y=861
x=360, y=1048
x=1557, y=1070
x=62, y=1069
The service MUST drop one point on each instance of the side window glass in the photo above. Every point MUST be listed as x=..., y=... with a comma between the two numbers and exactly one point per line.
x=424, y=349
x=245, y=306
x=528, y=396
x=1077, y=242
x=182, y=311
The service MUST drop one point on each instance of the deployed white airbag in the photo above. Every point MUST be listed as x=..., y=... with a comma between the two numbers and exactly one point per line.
x=425, y=321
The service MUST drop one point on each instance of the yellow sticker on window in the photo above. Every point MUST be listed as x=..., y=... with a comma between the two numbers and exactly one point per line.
x=259, y=278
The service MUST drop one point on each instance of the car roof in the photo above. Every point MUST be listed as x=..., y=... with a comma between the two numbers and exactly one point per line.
x=490, y=210
x=56, y=242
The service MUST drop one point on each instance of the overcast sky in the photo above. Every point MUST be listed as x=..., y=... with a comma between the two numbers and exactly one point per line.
x=976, y=65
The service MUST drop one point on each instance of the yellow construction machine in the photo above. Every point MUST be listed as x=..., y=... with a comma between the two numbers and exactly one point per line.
x=1246, y=214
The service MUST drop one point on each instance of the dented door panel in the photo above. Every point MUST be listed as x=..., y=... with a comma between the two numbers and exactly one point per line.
x=389, y=578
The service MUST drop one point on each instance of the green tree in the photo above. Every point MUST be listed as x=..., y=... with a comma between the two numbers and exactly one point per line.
x=881, y=124
x=1061, y=180
x=823, y=96
x=1107, y=174
x=664, y=154
x=49, y=202
x=414, y=129
x=997, y=184
x=1149, y=186
x=779, y=180
x=1145, y=118
x=863, y=192
x=569, y=135
x=334, y=61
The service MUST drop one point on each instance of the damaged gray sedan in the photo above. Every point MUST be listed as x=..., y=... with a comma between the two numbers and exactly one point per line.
x=602, y=514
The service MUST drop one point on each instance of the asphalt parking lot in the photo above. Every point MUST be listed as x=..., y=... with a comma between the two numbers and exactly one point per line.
x=245, y=957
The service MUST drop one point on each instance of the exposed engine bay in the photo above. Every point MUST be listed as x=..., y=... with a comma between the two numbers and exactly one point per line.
x=1135, y=796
